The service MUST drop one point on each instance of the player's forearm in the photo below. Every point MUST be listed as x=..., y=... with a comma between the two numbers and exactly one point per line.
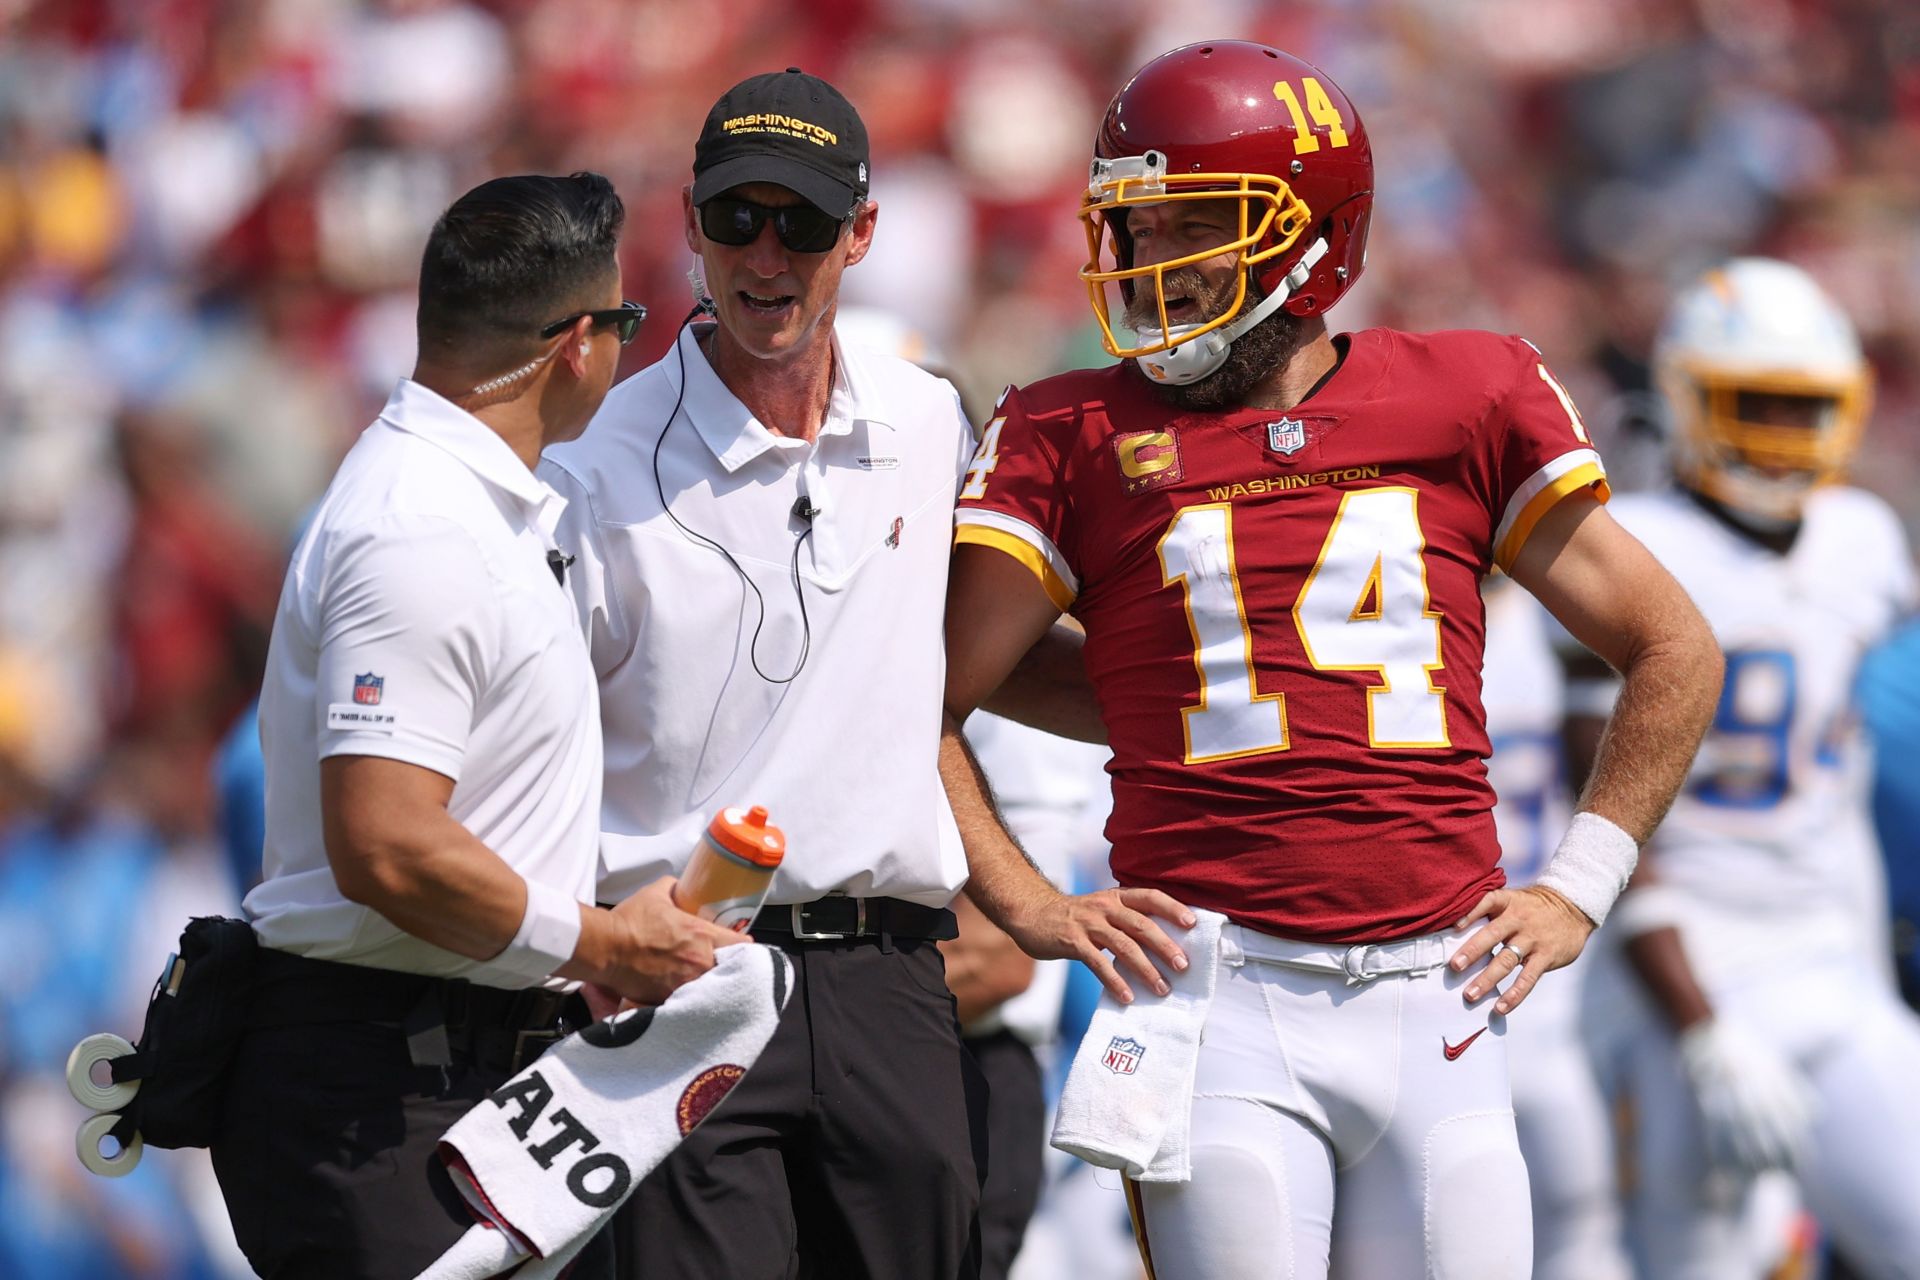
x=1660, y=962
x=1002, y=881
x=1666, y=702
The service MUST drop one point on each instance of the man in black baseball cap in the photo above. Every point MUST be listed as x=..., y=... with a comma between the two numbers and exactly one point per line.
x=824, y=476
x=777, y=210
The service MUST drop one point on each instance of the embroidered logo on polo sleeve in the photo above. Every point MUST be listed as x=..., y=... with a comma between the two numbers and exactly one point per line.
x=368, y=688
x=347, y=715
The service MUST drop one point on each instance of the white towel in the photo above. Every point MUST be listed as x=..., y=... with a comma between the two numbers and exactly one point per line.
x=547, y=1159
x=1128, y=1100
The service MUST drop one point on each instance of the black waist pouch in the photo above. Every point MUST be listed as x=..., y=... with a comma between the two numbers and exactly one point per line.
x=194, y=1024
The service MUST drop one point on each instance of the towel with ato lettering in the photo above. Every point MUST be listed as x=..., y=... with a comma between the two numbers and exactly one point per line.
x=1128, y=1100
x=546, y=1160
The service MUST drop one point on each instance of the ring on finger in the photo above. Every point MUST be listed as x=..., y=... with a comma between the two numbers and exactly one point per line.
x=1519, y=956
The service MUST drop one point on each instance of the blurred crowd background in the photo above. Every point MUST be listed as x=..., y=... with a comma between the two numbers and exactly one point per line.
x=211, y=213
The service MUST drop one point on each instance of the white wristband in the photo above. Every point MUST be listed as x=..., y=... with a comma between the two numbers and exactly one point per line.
x=1592, y=865
x=549, y=931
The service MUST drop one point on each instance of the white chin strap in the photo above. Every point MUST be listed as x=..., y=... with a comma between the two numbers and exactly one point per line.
x=1193, y=360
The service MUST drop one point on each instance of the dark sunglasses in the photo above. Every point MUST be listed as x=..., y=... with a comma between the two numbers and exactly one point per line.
x=801, y=227
x=625, y=319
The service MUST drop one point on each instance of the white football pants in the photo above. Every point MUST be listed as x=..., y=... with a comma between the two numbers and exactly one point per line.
x=1351, y=1120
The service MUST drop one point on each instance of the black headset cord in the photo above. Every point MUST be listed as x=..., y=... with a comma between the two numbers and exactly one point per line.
x=803, y=509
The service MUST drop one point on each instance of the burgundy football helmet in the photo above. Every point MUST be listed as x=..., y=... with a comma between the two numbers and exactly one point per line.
x=1230, y=118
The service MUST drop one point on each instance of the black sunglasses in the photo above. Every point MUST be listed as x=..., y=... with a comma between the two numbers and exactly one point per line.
x=625, y=319
x=801, y=227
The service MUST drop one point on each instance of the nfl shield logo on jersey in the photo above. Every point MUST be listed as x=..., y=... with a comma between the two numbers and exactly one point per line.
x=1288, y=436
x=1123, y=1056
x=366, y=689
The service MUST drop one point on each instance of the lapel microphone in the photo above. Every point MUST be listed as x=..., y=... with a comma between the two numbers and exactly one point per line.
x=804, y=510
x=558, y=561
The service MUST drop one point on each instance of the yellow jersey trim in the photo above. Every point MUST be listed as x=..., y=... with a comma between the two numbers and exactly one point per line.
x=1025, y=552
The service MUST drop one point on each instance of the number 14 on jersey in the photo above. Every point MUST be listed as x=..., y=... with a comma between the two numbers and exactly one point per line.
x=1365, y=607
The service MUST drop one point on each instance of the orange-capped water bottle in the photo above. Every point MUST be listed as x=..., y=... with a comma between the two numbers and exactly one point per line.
x=732, y=868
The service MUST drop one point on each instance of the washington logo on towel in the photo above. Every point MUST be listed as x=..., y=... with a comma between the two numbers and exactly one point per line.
x=1123, y=1056
x=704, y=1094
x=366, y=689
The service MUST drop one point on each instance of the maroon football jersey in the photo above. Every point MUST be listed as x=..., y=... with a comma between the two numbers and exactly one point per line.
x=1283, y=615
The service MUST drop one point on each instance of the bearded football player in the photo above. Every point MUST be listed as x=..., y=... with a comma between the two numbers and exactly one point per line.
x=1274, y=537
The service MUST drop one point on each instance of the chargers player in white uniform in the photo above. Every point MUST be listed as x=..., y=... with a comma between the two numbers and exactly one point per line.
x=1759, y=1030
x=1565, y=1135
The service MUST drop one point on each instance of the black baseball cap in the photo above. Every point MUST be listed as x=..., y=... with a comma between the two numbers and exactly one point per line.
x=789, y=128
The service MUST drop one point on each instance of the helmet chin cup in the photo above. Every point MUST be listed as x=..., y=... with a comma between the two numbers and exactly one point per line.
x=1187, y=360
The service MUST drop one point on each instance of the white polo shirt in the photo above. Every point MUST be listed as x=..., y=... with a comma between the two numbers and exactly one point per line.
x=844, y=756
x=420, y=621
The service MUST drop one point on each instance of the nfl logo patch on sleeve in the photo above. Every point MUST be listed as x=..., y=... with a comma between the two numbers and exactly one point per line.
x=366, y=689
x=1123, y=1056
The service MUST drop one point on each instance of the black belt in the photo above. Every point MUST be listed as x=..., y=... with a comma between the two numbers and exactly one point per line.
x=441, y=1017
x=838, y=918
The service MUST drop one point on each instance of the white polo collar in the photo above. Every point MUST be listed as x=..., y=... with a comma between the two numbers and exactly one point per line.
x=427, y=414
x=730, y=430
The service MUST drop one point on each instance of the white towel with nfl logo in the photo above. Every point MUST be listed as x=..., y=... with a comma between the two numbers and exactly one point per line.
x=1128, y=1100
x=546, y=1160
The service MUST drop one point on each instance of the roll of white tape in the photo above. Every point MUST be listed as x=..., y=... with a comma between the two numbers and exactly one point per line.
x=87, y=1143
x=103, y=1046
